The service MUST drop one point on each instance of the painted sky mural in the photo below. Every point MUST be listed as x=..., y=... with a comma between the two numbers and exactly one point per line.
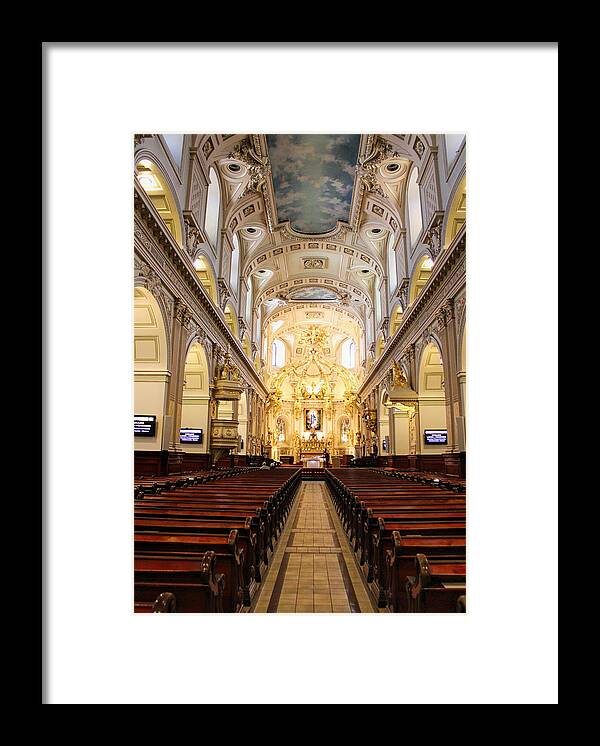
x=313, y=176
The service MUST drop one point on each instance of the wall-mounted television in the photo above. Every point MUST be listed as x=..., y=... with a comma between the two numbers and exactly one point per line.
x=144, y=424
x=190, y=435
x=436, y=437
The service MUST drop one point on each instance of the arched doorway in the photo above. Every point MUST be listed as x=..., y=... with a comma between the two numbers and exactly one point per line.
x=151, y=376
x=243, y=423
x=383, y=422
x=195, y=404
x=432, y=398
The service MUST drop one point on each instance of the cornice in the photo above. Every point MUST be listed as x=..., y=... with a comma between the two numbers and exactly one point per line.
x=158, y=237
x=264, y=253
x=417, y=315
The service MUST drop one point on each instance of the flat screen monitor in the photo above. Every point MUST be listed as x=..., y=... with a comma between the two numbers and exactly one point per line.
x=144, y=424
x=190, y=435
x=436, y=437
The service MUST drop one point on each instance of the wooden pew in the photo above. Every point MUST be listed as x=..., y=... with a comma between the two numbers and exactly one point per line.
x=229, y=558
x=436, y=586
x=390, y=520
x=192, y=581
x=247, y=537
x=237, y=518
x=165, y=603
x=400, y=562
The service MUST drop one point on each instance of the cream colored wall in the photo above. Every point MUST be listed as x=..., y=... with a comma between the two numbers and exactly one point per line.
x=195, y=403
x=195, y=414
x=151, y=377
x=433, y=417
x=432, y=399
x=401, y=434
x=150, y=394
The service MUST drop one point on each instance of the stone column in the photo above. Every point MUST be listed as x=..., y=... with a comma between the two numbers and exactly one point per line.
x=181, y=321
x=447, y=330
x=461, y=378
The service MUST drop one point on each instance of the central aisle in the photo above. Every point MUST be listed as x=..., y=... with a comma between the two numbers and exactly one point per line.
x=313, y=569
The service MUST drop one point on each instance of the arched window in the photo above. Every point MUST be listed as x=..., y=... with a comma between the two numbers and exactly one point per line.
x=349, y=353
x=235, y=265
x=213, y=204
x=453, y=143
x=392, y=273
x=175, y=145
x=421, y=274
x=154, y=183
x=277, y=354
x=414, y=206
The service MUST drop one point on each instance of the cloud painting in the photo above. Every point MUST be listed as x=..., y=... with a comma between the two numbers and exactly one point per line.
x=313, y=176
x=312, y=293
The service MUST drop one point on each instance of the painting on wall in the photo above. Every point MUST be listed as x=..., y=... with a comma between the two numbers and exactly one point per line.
x=313, y=419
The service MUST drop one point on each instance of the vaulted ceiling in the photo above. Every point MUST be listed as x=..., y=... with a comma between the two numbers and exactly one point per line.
x=315, y=215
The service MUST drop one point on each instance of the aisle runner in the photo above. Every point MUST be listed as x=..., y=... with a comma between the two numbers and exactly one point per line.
x=313, y=569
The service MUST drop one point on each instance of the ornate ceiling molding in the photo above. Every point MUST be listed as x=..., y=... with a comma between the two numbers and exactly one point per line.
x=342, y=289
x=180, y=277
x=447, y=280
x=258, y=257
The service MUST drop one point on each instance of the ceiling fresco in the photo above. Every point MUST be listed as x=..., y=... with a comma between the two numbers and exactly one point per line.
x=313, y=178
x=312, y=293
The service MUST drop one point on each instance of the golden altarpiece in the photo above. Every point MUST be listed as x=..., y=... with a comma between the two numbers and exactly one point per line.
x=313, y=405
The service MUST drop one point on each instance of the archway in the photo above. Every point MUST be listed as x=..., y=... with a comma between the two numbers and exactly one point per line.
x=246, y=346
x=395, y=320
x=151, y=376
x=155, y=184
x=432, y=398
x=243, y=423
x=383, y=421
x=205, y=274
x=420, y=276
x=213, y=209
x=194, y=412
x=457, y=213
x=231, y=321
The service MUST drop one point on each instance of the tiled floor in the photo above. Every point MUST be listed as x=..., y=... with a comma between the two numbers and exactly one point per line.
x=313, y=568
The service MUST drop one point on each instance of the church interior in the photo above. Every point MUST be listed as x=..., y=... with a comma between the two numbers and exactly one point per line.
x=300, y=373
x=282, y=312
